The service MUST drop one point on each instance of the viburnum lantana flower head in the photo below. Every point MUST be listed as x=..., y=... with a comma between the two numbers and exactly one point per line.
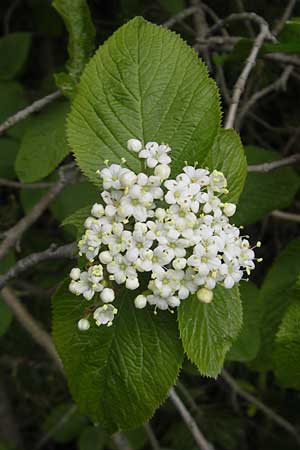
x=174, y=231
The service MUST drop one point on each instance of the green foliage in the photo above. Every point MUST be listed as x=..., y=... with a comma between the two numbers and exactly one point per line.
x=275, y=297
x=286, y=355
x=81, y=31
x=91, y=438
x=14, y=50
x=118, y=375
x=8, y=152
x=65, y=423
x=144, y=82
x=12, y=98
x=172, y=6
x=246, y=346
x=77, y=219
x=227, y=155
x=208, y=330
x=288, y=39
x=44, y=144
x=258, y=197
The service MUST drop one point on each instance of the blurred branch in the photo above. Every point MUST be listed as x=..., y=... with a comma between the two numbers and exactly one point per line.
x=286, y=216
x=242, y=80
x=39, y=335
x=151, y=436
x=179, y=17
x=18, y=185
x=282, y=58
x=65, y=251
x=241, y=16
x=120, y=441
x=267, y=167
x=280, y=83
x=8, y=427
x=260, y=405
x=199, y=438
x=240, y=5
x=286, y=15
x=24, y=113
x=66, y=176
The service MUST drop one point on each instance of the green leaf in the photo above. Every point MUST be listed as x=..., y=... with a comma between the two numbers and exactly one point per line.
x=92, y=438
x=12, y=98
x=5, y=313
x=43, y=145
x=118, y=375
x=286, y=355
x=77, y=219
x=275, y=297
x=77, y=18
x=64, y=423
x=227, y=155
x=246, y=346
x=208, y=330
x=8, y=152
x=288, y=39
x=144, y=82
x=275, y=189
x=14, y=50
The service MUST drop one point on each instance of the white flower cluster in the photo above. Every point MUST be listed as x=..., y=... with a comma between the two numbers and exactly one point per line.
x=174, y=231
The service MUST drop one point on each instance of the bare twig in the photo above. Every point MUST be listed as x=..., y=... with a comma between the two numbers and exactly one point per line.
x=39, y=335
x=18, y=185
x=240, y=16
x=241, y=82
x=284, y=59
x=283, y=423
x=9, y=430
x=65, y=251
x=267, y=167
x=286, y=216
x=24, y=113
x=121, y=442
x=200, y=439
x=151, y=436
x=280, y=83
x=14, y=233
x=285, y=16
x=240, y=6
x=179, y=17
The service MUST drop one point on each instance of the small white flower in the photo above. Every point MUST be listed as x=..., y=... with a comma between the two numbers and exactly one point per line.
x=97, y=210
x=104, y=315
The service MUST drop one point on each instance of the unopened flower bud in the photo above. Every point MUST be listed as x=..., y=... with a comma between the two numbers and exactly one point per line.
x=75, y=273
x=140, y=301
x=97, y=210
x=105, y=257
x=132, y=283
x=107, y=295
x=83, y=325
x=162, y=171
x=229, y=209
x=134, y=145
x=205, y=295
x=128, y=178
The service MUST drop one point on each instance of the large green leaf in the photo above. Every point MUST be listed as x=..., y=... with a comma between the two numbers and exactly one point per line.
x=12, y=98
x=14, y=50
x=77, y=18
x=265, y=192
x=43, y=145
x=227, y=155
x=246, y=346
x=286, y=355
x=117, y=375
x=144, y=82
x=208, y=330
x=275, y=297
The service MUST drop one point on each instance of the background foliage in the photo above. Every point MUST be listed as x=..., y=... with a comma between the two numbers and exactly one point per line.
x=43, y=48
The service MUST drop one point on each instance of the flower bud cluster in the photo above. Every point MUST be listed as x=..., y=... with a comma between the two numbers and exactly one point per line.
x=176, y=232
